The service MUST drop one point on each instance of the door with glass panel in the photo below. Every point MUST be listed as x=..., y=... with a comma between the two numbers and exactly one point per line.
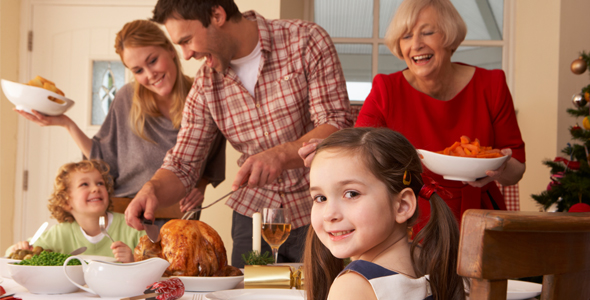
x=72, y=44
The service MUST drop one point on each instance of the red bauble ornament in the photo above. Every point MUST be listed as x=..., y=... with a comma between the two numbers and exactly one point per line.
x=579, y=207
x=575, y=128
x=555, y=180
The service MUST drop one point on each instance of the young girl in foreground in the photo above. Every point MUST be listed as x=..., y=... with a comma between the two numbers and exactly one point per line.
x=364, y=185
x=81, y=196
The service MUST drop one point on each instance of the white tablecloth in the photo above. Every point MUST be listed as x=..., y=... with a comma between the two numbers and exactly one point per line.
x=12, y=287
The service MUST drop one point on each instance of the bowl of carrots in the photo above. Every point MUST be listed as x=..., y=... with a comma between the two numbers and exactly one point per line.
x=465, y=160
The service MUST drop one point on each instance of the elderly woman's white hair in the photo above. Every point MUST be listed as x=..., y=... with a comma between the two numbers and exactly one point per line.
x=450, y=23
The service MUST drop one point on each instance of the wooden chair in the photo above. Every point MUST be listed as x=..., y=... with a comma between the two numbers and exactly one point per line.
x=499, y=245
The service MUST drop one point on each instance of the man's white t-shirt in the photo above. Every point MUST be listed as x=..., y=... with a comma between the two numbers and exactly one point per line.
x=247, y=68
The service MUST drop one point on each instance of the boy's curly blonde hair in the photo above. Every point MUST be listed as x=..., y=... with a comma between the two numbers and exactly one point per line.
x=59, y=197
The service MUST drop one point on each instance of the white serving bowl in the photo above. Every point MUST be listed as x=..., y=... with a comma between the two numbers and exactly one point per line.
x=117, y=280
x=4, y=266
x=88, y=258
x=27, y=97
x=459, y=168
x=46, y=279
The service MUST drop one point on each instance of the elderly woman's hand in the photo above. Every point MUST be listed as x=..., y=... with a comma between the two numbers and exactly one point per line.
x=509, y=173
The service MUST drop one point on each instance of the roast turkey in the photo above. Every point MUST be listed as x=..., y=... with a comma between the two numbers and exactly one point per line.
x=192, y=248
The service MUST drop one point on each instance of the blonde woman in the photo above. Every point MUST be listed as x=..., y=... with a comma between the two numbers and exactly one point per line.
x=144, y=119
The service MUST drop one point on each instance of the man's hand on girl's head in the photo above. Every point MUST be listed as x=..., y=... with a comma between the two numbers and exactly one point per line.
x=307, y=150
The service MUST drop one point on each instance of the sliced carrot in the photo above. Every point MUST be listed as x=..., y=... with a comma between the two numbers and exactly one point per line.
x=465, y=139
x=472, y=148
x=467, y=148
x=491, y=151
x=455, y=145
x=460, y=151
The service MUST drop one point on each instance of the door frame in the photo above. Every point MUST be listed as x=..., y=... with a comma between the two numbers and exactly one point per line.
x=25, y=66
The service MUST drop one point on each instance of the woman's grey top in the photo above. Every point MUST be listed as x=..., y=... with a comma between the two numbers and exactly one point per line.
x=133, y=160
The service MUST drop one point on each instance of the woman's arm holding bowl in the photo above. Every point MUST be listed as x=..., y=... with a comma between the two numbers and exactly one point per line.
x=509, y=173
x=81, y=139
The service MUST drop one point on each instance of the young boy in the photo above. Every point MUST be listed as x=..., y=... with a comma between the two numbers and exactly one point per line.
x=81, y=196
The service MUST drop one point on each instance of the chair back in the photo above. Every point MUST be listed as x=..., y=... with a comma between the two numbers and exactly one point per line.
x=499, y=245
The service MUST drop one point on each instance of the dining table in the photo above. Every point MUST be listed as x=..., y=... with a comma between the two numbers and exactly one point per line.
x=20, y=292
x=193, y=289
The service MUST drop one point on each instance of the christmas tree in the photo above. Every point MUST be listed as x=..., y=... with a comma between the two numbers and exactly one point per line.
x=569, y=187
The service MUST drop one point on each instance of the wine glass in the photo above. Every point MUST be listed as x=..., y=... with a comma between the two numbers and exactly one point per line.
x=276, y=227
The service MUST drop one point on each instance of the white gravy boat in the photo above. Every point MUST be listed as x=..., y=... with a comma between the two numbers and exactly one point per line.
x=113, y=279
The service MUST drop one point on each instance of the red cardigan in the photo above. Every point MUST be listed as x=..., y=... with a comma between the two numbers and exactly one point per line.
x=483, y=110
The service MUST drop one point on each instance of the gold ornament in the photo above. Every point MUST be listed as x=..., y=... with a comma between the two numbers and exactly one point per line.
x=586, y=123
x=579, y=66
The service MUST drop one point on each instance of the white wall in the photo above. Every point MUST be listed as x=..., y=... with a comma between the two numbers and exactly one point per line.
x=574, y=36
x=9, y=16
x=549, y=35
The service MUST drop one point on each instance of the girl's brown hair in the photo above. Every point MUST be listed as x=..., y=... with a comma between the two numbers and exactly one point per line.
x=143, y=33
x=61, y=194
x=388, y=155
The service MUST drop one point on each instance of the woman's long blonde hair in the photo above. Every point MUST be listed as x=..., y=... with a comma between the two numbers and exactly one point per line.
x=143, y=33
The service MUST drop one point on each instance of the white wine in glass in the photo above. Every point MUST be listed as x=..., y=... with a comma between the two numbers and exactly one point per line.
x=276, y=227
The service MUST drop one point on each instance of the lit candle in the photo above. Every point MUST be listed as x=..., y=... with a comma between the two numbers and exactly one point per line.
x=256, y=231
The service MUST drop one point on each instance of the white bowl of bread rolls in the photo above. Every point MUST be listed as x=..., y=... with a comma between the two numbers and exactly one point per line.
x=39, y=94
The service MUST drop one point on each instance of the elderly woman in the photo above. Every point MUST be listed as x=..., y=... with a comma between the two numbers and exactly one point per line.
x=144, y=119
x=434, y=101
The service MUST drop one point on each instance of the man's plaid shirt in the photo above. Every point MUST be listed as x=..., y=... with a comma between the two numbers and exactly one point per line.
x=300, y=86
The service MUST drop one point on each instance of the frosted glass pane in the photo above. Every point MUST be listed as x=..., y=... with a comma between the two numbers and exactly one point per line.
x=387, y=9
x=107, y=78
x=356, y=63
x=345, y=18
x=389, y=63
x=483, y=57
